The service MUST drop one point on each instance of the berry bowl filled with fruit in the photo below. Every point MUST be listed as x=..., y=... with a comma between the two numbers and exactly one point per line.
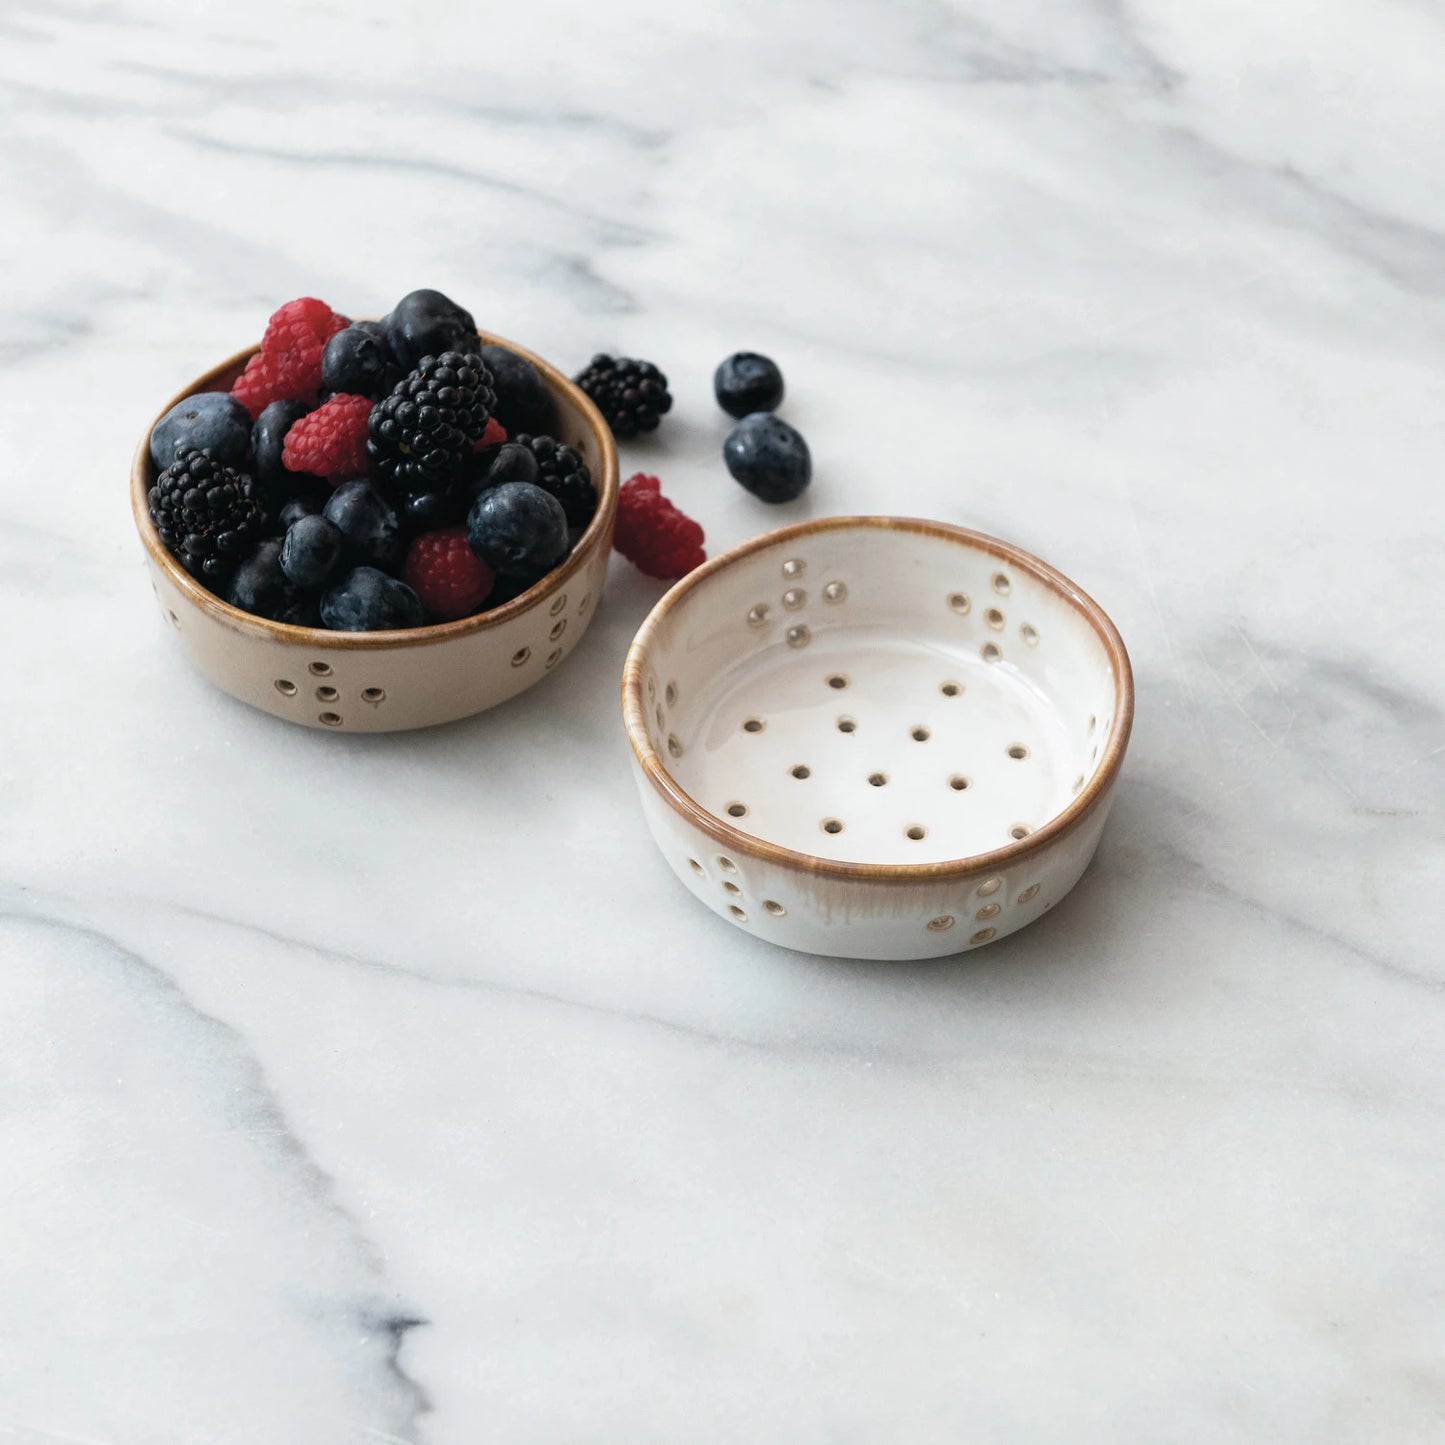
x=376, y=525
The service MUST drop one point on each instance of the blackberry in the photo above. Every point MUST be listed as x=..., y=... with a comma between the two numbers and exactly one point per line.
x=419, y=436
x=561, y=471
x=631, y=395
x=208, y=514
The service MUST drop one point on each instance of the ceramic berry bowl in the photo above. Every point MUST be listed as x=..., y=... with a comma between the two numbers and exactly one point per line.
x=388, y=681
x=875, y=737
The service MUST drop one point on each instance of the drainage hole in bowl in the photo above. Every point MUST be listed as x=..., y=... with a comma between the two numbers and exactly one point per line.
x=697, y=867
x=669, y=694
x=758, y=614
x=1001, y=584
x=835, y=592
x=794, y=568
x=774, y=907
x=847, y=725
x=989, y=886
x=802, y=771
x=673, y=745
x=175, y=621
x=950, y=689
x=989, y=910
x=327, y=694
x=994, y=618
x=373, y=695
x=731, y=888
x=331, y=719
x=660, y=716
x=558, y=629
x=558, y=603
x=983, y=935
x=320, y=669
x=794, y=598
x=958, y=783
x=832, y=825
x=1093, y=723
x=1029, y=893
x=837, y=681
x=798, y=636
x=1020, y=830
x=915, y=831
x=726, y=864
x=584, y=604
x=553, y=657
x=520, y=656
x=1077, y=784
x=991, y=652
x=737, y=810
x=737, y=913
x=920, y=735
x=1030, y=634
x=754, y=725
x=941, y=924
x=877, y=780
x=958, y=601
x=1018, y=752
x=285, y=687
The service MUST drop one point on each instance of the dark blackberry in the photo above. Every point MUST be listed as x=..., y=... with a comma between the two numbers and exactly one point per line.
x=209, y=515
x=562, y=472
x=631, y=395
x=419, y=436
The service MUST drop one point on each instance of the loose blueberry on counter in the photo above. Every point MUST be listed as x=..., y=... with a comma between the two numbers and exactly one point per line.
x=311, y=551
x=518, y=529
x=523, y=402
x=367, y=522
x=769, y=457
x=357, y=362
x=366, y=600
x=262, y=588
x=426, y=323
x=268, y=439
x=747, y=382
x=213, y=421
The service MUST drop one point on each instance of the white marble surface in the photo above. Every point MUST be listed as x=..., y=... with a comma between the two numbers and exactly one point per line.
x=390, y=1089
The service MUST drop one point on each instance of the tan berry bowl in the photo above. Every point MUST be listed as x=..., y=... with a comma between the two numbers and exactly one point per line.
x=377, y=682
x=876, y=737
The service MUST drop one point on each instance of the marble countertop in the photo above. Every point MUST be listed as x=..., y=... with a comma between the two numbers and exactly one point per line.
x=391, y=1089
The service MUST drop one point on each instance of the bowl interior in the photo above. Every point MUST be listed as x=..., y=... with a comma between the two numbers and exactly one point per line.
x=880, y=692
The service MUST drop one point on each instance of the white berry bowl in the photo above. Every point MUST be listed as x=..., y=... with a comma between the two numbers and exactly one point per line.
x=389, y=681
x=877, y=737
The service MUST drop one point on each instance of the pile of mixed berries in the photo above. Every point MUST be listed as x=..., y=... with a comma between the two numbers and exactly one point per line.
x=371, y=475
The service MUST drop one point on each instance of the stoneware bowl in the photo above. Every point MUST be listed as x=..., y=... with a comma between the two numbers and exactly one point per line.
x=385, y=681
x=876, y=737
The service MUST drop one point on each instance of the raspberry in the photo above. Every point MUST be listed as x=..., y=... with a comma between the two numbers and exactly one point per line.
x=652, y=534
x=444, y=572
x=493, y=436
x=330, y=442
x=288, y=366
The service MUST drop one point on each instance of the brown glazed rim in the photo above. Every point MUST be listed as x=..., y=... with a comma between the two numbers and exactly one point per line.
x=598, y=532
x=736, y=841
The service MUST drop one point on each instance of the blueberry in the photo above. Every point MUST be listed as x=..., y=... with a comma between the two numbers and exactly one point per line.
x=747, y=382
x=268, y=438
x=311, y=551
x=262, y=588
x=510, y=462
x=212, y=420
x=378, y=329
x=426, y=323
x=518, y=529
x=523, y=402
x=427, y=511
x=366, y=600
x=768, y=457
x=367, y=522
x=305, y=505
x=357, y=362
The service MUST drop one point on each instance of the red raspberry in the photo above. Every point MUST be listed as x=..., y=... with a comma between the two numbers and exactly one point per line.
x=493, y=436
x=444, y=572
x=652, y=534
x=330, y=442
x=288, y=366
x=256, y=387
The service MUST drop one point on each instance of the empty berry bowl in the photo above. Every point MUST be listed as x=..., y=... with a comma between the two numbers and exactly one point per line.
x=411, y=678
x=875, y=737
